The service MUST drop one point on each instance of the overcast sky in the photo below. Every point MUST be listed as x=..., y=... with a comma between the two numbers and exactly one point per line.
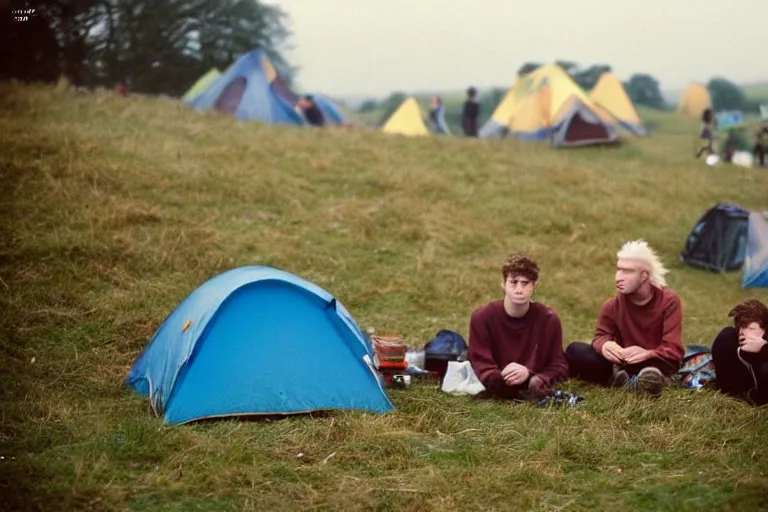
x=373, y=47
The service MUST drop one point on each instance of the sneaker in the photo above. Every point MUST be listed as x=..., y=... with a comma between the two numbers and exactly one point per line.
x=619, y=378
x=651, y=381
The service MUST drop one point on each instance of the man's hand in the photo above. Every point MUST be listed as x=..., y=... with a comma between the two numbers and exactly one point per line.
x=514, y=374
x=635, y=354
x=751, y=342
x=613, y=352
x=537, y=386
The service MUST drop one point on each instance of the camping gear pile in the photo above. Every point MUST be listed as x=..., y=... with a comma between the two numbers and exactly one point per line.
x=397, y=363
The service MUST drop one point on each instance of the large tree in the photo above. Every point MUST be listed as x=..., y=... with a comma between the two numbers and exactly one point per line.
x=31, y=50
x=389, y=105
x=491, y=99
x=587, y=78
x=528, y=67
x=159, y=46
x=643, y=89
x=725, y=94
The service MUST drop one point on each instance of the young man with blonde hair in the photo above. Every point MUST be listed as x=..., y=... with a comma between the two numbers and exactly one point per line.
x=516, y=344
x=638, y=339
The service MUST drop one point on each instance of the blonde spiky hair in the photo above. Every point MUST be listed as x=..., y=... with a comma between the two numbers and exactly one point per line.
x=639, y=250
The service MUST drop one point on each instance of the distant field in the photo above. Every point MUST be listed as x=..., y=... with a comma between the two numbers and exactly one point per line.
x=757, y=92
x=115, y=209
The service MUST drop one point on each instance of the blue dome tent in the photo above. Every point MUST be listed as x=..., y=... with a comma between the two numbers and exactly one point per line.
x=718, y=240
x=257, y=340
x=251, y=89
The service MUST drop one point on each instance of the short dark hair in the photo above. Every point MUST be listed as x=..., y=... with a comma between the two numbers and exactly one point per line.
x=471, y=92
x=748, y=311
x=519, y=264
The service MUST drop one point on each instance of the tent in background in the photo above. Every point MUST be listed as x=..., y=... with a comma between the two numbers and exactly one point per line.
x=331, y=113
x=610, y=94
x=201, y=84
x=695, y=101
x=718, y=240
x=579, y=125
x=547, y=104
x=257, y=340
x=251, y=89
x=406, y=120
x=728, y=238
x=755, y=272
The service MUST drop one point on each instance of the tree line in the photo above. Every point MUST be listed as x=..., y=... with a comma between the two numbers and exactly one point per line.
x=163, y=46
x=154, y=46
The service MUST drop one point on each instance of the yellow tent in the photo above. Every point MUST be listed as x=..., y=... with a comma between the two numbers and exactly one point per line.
x=610, y=94
x=695, y=101
x=538, y=105
x=202, y=84
x=406, y=120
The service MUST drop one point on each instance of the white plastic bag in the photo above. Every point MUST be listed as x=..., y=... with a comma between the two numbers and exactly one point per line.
x=460, y=379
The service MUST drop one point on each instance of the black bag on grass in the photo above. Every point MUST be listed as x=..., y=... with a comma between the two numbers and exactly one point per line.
x=444, y=347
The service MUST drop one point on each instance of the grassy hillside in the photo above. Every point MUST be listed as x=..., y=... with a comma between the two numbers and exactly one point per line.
x=115, y=209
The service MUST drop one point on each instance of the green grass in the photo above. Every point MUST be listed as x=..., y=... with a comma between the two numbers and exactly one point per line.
x=115, y=209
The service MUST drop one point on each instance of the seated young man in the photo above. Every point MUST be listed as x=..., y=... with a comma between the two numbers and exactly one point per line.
x=638, y=338
x=515, y=344
x=740, y=353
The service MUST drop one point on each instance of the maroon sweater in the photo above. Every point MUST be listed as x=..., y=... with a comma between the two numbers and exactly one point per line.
x=656, y=326
x=534, y=341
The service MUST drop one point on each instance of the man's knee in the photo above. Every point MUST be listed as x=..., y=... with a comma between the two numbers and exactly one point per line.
x=579, y=351
x=727, y=340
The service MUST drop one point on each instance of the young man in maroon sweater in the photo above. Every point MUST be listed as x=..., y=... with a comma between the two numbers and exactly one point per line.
x=515, y=344
x=638, y=339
